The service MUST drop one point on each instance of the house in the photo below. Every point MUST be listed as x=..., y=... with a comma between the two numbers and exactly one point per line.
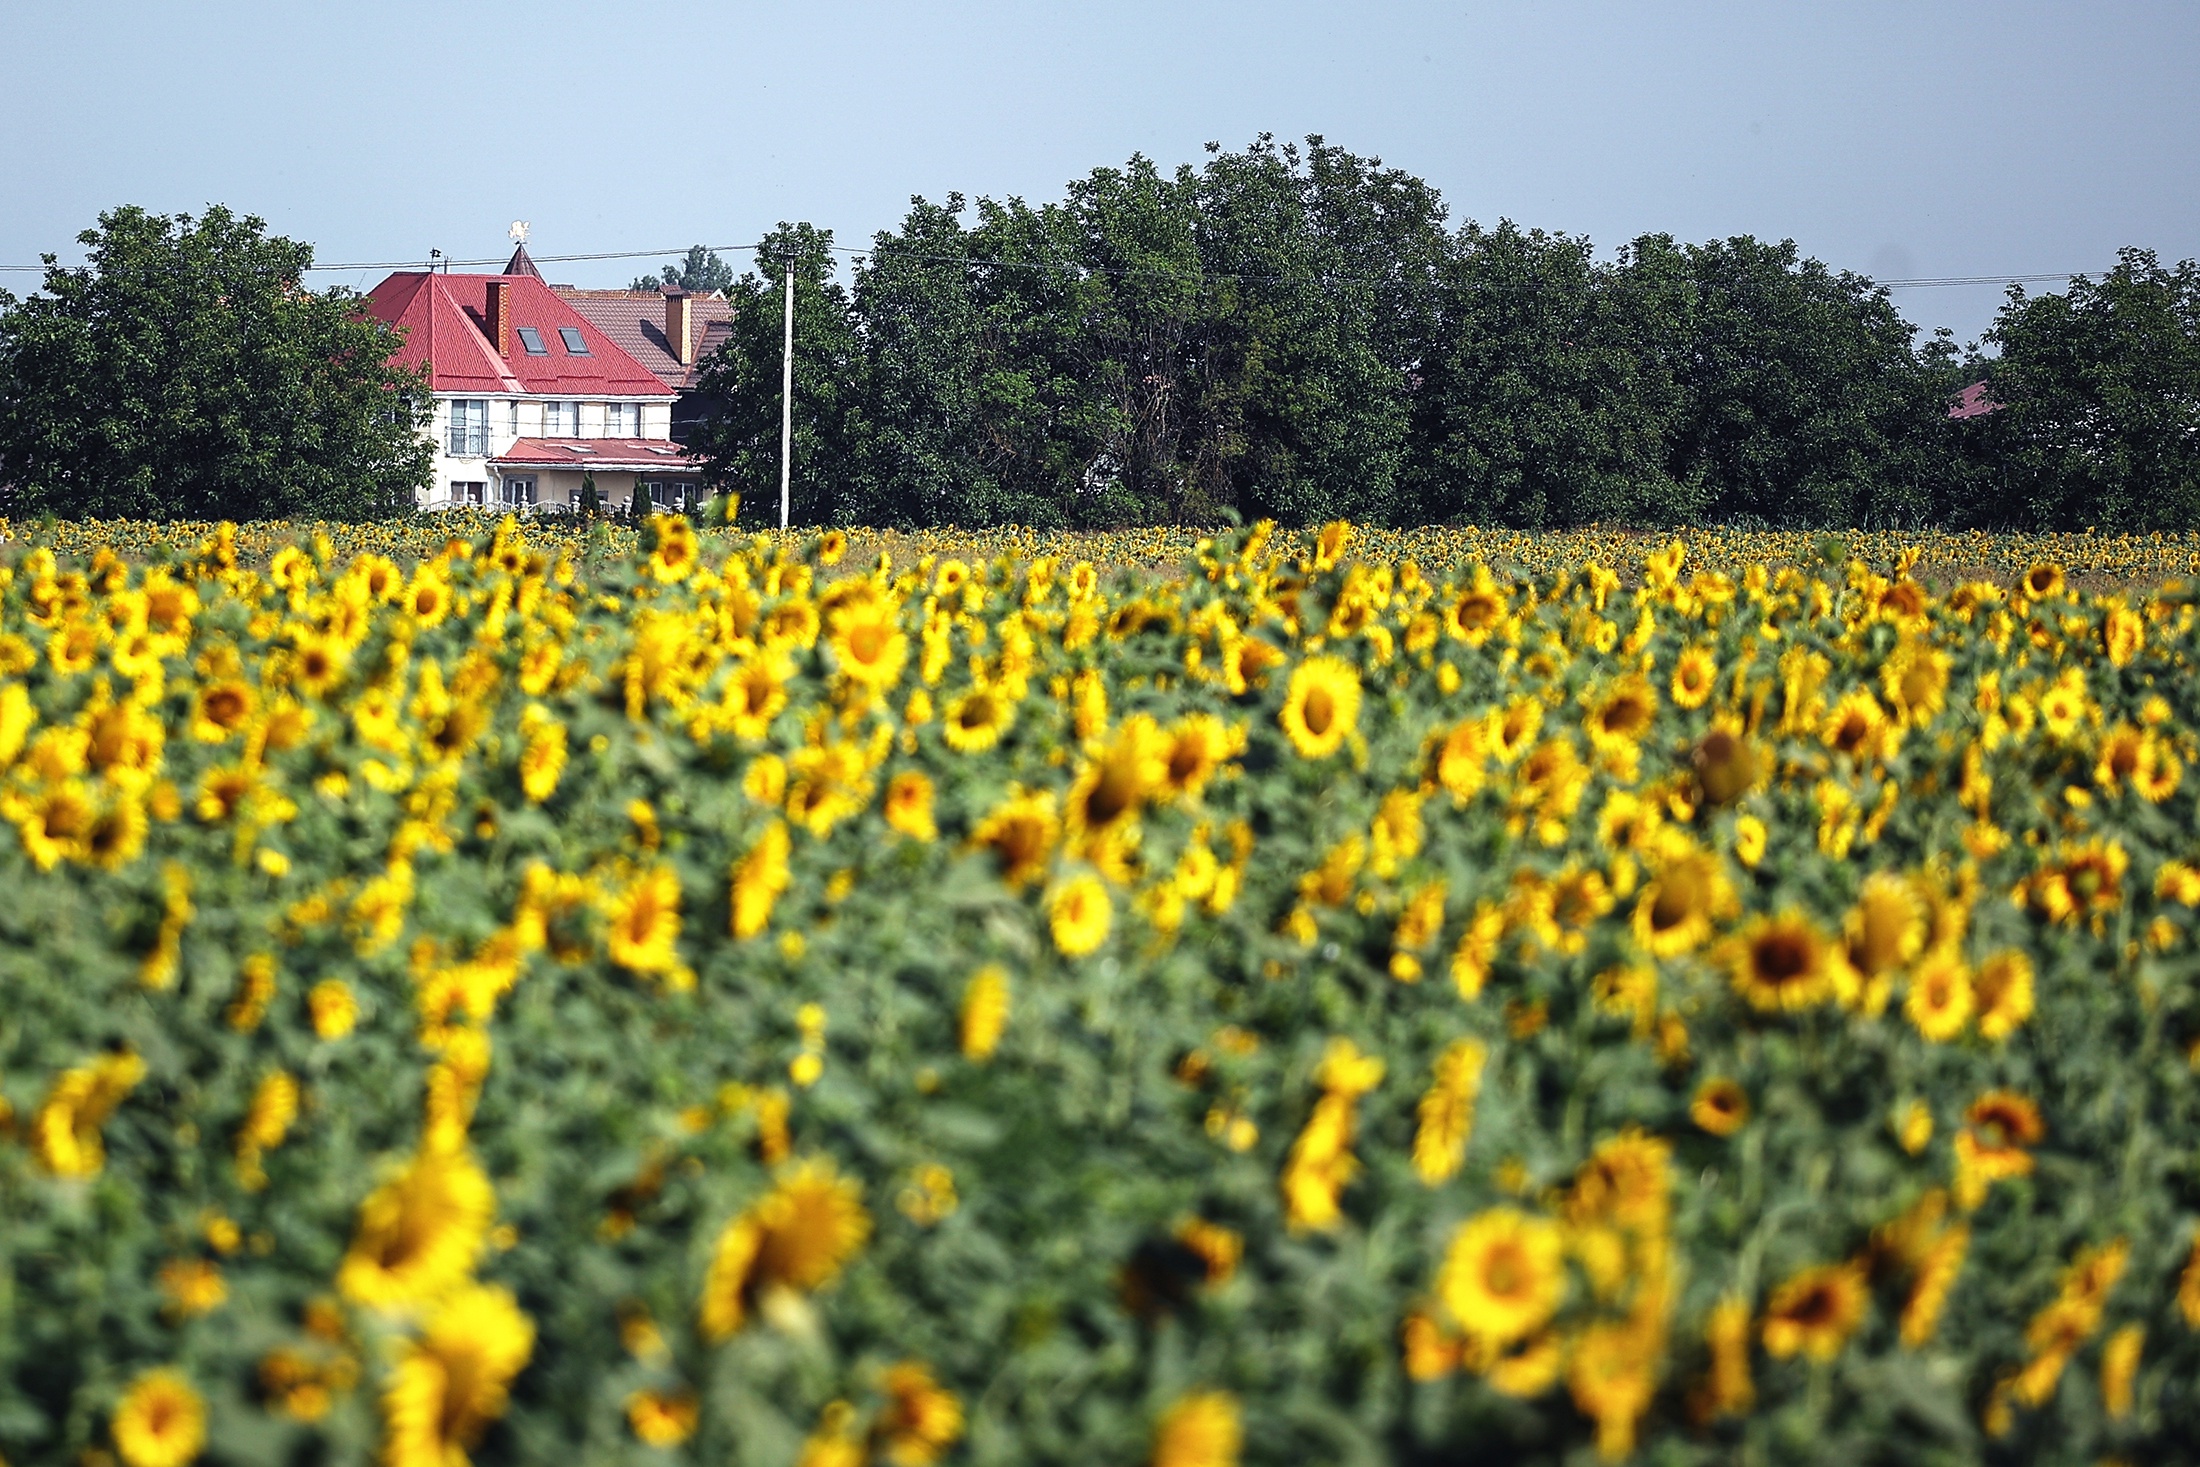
x=671, y=332
x=532, y=399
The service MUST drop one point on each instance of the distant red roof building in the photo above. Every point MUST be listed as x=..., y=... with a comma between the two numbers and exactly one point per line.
x=671, y=333
x=448, y=324
x=534, y=401
x=1974, y=402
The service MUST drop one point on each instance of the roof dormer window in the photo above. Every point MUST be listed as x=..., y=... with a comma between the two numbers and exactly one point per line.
x=531, y=339
x=571, y=336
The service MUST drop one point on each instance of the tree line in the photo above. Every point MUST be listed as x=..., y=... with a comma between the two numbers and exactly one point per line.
x=1300, y=332
x=1284, y=330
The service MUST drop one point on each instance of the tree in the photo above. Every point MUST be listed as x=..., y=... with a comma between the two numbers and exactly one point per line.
x=1539, y=404
x=2100, y=386
x=698, y=273
x=737, y=433
x=185, y=371
x=1803, y=401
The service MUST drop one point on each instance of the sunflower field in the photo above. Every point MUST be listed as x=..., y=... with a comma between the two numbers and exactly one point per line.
x=683, y=998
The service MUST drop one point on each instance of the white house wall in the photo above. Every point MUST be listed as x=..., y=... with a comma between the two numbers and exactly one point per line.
x=616, y=488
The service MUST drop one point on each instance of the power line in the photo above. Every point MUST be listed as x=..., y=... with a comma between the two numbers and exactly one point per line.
x=1064, y=267
x=486, y=260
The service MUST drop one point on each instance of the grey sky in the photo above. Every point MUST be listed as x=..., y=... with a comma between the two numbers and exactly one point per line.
x=1910, y=139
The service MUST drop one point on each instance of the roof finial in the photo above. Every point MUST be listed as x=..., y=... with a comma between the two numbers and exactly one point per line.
x=518, y=231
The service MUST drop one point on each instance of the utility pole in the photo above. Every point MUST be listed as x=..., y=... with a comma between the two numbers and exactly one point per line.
x=786, y=401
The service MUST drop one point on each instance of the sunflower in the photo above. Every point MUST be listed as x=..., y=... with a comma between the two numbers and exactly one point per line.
x=754, y=694
x=1940, y=1000
x=1721, y=1106
x=1321, y=708
x=1725, y=765
x=542, y=753
x=1200, y=1430
x=1461, y=759
x=643, y=930
x=1858, y=727
x=1078, y=914
x=674, y=554
x=1695, y=675
x=984, y=1012
x=869, y=646
x=1446, y=1112
x=419, y=1233
x=1478, y=611
x=453, y=1381
x=1619, y=719
x=808, y=1226
x=1915, y=680
x=662, y=1418
x=1781, y=963
x=1886, y=929
x=974, y=721
x=1197, y=747
x=1727, y=1389
x=1612, y=1376
x=921, y=1420
x=2063, y=707
x=1995, y=1145
x=2043, y=580
x=1020, y=832
x=1111, y=787
x=2003, y=989
x=1687, y=892
x=160, y=1421
x=908, y=807
x=1503, y=1275
x=66, y=1133
x=2082, y=881
x=1932, y=1278
x=1815, y=1312
x=760, y=879
x=55, y=823
x=1513, y=728
x=428, y=599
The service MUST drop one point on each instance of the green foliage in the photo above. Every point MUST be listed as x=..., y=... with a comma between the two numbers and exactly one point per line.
x=186, y=372
x=1297, y=333
x=740, y=386
x=698, y=273
x=2101, y=386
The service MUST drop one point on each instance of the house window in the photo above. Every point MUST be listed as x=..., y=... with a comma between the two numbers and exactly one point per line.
x=622, y=420
x=531, y=340
x=469, y=426
x=516, y=493
x=561, y=420
x=512, y=420
x=667, y=494
x=571, y=336
x=468, y=491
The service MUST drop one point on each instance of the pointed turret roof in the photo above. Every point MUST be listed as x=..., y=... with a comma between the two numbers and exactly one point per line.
x=520, y=264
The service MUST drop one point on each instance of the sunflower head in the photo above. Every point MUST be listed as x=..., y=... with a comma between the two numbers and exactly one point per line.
x=1815, y=1312
x=1721, y=1106
x=1781, y=963
x=1725, y=766
x=1322, y=707
x=1503, y=1275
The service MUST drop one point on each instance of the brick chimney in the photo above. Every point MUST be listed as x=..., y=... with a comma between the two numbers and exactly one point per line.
x=677, y=327
x=499, y=323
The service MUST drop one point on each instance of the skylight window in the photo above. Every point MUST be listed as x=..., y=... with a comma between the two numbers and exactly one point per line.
x=571, y=336
x=531, y=339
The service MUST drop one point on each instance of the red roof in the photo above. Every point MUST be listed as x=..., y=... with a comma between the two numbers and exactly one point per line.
x=635, y=319
x=1973, y=402
x=443, y=319
x=639, y=455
